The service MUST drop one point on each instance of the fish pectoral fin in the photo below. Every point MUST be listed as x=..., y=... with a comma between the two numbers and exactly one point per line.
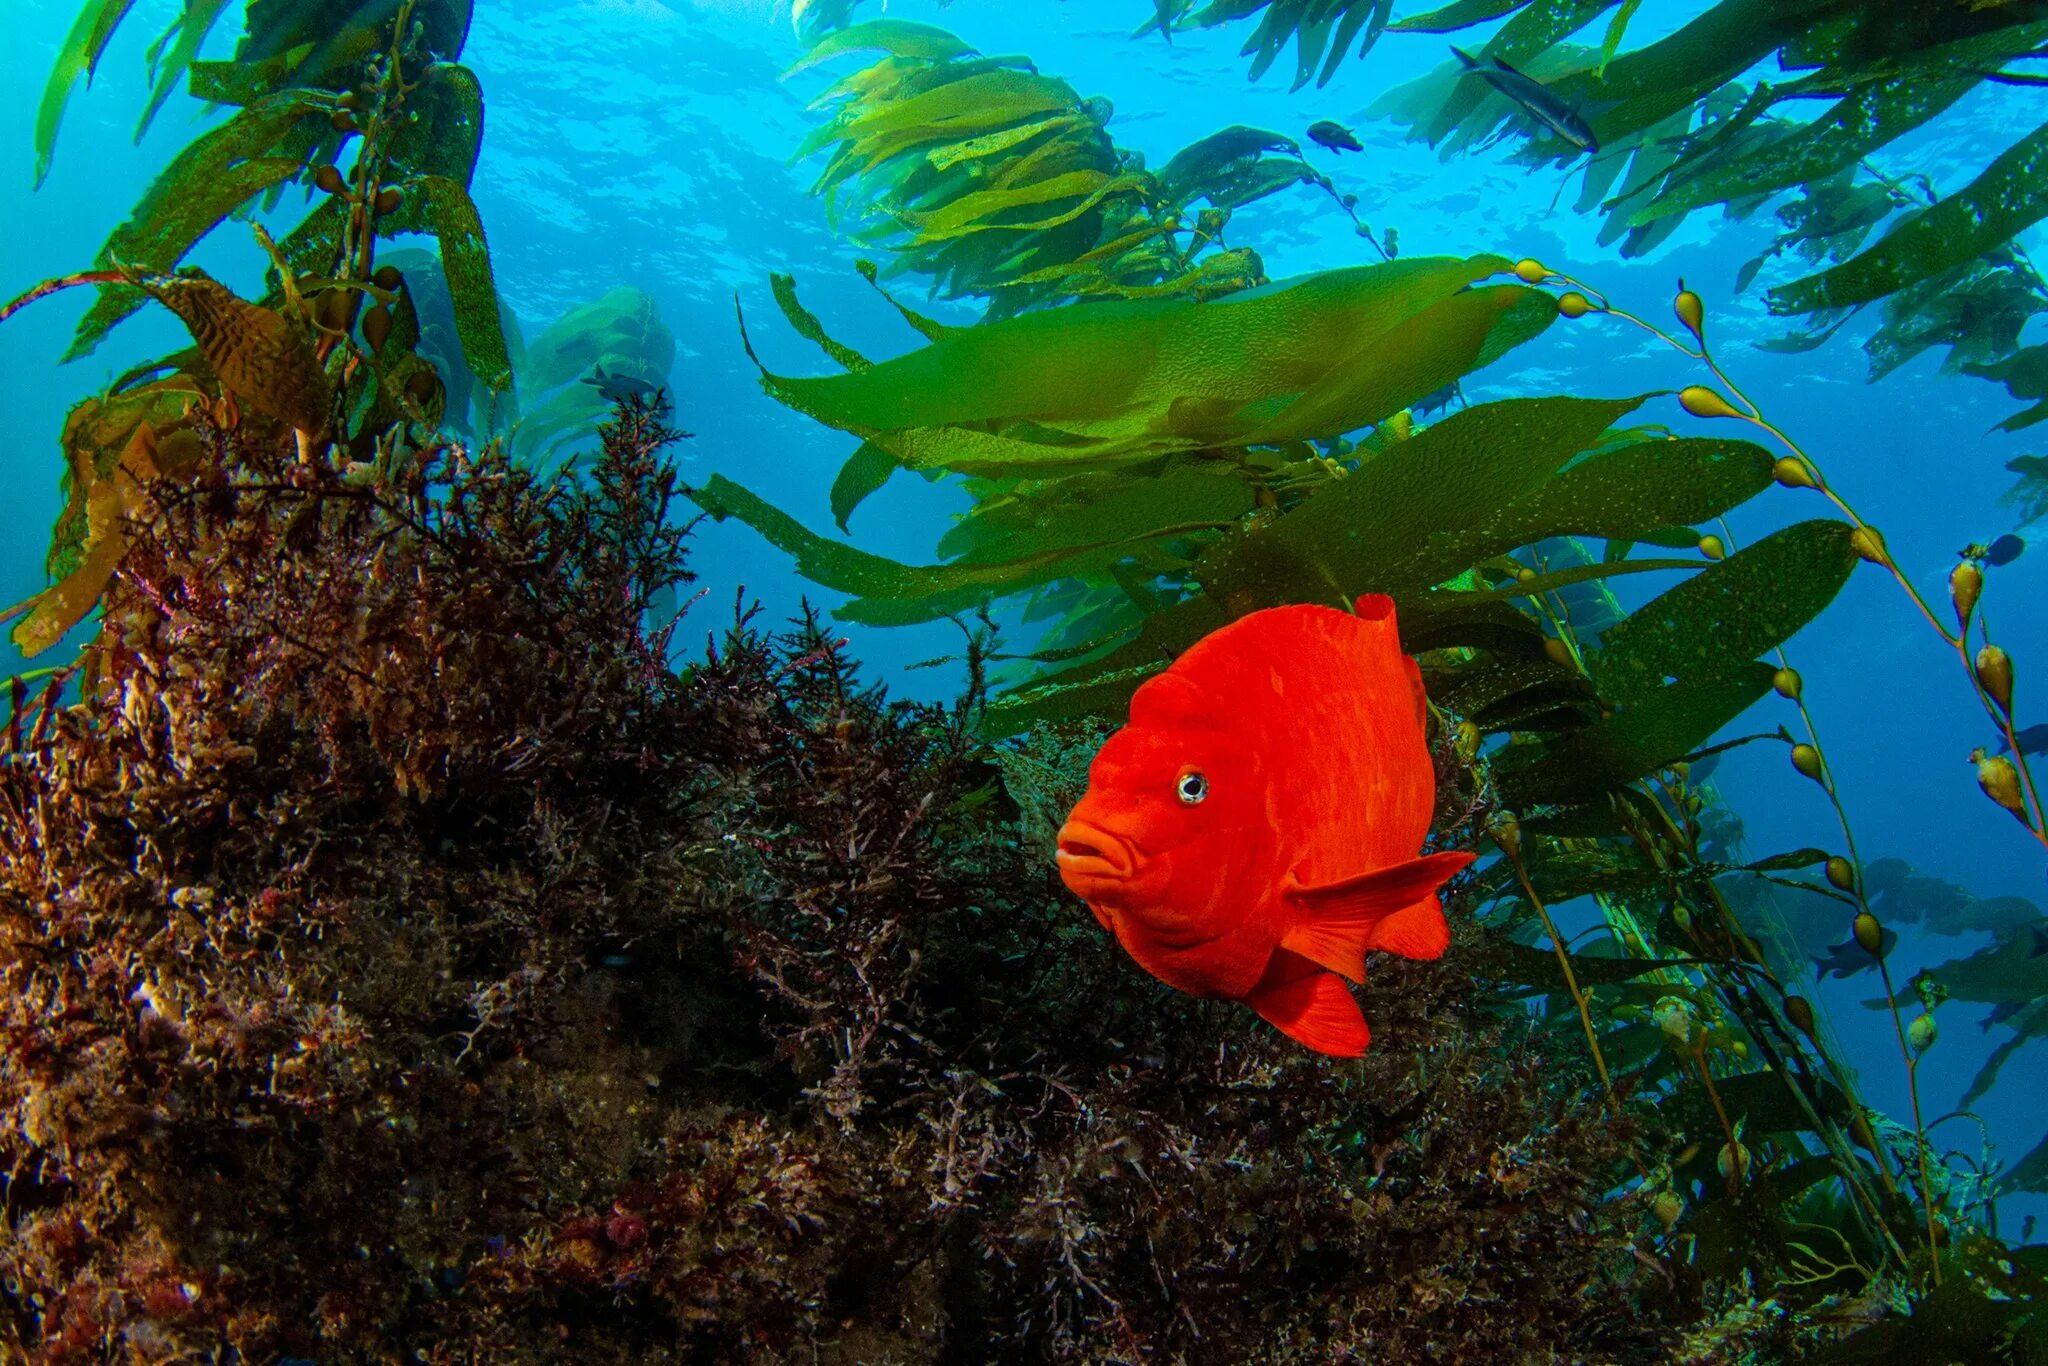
x=1418, y=931
x=1335, y=923
x=1310, y=1005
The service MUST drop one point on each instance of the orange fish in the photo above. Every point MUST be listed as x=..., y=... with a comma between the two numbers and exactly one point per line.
x=1253, y=831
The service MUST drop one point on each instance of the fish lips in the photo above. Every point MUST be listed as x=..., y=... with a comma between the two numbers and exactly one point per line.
x=1092, y=859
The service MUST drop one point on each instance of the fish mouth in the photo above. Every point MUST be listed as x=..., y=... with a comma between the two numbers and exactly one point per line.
x=1090, y=852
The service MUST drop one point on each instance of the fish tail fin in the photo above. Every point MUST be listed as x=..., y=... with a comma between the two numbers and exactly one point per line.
x=1336, y=923
x=1310, y=1006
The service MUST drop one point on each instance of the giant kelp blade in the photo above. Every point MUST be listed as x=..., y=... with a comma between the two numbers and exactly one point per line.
x=2010, y=195
x=896, y=37
x=1419, y=355
x=1452, y=17
x=205, y=183
x=888, y=592
x=76, y=59
x=1627, y=493
x=1718, y=620
x=1104, y=686
x=441, y=206
x=1667, y=725
x=1136, y=360
x=864, y=472
x=260, y=356
x=1459, y=473
x=186, y=36
x=1871, y=115
x=1188, y=500
x=447, y=128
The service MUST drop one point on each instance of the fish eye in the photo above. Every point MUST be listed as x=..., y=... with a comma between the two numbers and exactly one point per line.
x=1191, y=786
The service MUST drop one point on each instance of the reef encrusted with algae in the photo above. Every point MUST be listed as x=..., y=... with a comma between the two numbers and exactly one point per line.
x=399, y=960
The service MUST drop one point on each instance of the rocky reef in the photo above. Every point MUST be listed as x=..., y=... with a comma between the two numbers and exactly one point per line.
x=403, y=960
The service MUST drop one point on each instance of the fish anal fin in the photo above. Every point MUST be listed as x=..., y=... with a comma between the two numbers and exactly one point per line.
x=1418, y=931
x=1310, y=1006
x=1339, y=946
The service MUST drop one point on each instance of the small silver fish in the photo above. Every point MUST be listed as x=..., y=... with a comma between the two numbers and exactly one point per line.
x=1534, y=97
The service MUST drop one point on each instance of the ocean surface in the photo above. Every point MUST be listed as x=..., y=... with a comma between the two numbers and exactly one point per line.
x=645, y=143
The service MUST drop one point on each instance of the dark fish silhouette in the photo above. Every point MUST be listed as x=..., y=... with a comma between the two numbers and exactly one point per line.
x=1437, y=400
x=1847, y=958
x=1334, y=136
x=1534, y=97
x=2004, y=550
x=2033, y=740
x=617, y=387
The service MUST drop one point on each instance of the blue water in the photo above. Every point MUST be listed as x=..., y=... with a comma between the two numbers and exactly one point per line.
x=641, y=142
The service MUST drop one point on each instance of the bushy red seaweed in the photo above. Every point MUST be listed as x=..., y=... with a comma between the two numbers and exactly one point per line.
x=400, y=961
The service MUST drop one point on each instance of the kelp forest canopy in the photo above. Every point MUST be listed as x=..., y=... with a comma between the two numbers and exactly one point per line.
x=1783, y=107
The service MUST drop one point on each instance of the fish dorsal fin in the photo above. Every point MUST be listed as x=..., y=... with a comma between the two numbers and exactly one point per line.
x=1311, y=1006
x=1335, y=923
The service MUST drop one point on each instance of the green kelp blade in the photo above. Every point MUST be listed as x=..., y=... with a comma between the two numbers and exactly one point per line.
x=1103, y=687
x=928, y=328
x=977, y=212
x=1452, y=17
x=1504, y=680
x=1717, y=621
x=2024, y=374
x=189, y=30
x=1762, y=1098
x=968, y=105
x=1632, y=492
x=890, y=593
x=1872, y=114
x=1192, y=499
x=1419, y=355
x=1788, y=862
x=210, y=179
x=1122, y=358
x=808, y=327
x=1459, y=472
x=441, y=206
x=2009, y=196
x=864, y=472
x=1586, y=764
x=897, y=37
x=78, y=58
x=445, y=132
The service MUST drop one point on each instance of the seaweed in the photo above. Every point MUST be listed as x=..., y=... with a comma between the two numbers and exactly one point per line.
x=401, y=1038
x=307, y=81
x=1696, y=126
x=1000, y=182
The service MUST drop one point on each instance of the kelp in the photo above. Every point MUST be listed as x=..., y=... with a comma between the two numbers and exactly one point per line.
x=1142, y=472
x=1002, y=183
x=1322, y=31
x=1687, y=123
x=328, y=352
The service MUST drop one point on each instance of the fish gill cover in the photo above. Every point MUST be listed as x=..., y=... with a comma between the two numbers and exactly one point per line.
x=408, y=951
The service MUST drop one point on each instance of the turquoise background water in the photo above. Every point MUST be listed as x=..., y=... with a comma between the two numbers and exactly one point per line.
x=641, y=142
